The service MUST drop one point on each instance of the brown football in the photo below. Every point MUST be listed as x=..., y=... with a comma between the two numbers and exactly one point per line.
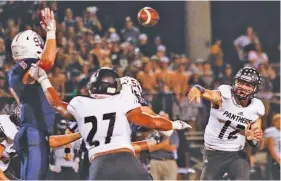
x=148, y=16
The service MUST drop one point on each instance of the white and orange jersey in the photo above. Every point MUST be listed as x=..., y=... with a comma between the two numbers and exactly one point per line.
x=102, y=123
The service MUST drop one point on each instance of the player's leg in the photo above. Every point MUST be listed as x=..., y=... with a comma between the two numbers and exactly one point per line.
x=213, y=164
x=119, y=166
x=239, y=168
x=21, y=148
x=38, y=155
x=275, y=171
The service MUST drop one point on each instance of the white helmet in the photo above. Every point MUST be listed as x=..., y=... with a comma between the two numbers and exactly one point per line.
x=27, y=44
x=131, y=84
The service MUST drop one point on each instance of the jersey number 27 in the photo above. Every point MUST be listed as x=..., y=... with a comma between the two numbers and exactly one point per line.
x=93, y=120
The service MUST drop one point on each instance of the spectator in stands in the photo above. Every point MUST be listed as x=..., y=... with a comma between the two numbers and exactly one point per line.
x=144, y=46
x=130, y=32
x=92, y=21
x=57, y=78
x=68, y=18
x=216, y=49
x=80, y=28
x=272, y=135
x=227, y=77
x=245, y=42
x=257, y=56
x=275, y=79
x=218, y=67
x=179, y=81
x=163, y=165
x=155, y=63
x=2, y=53
x=147, y=78
x=3, y=91
x=208, y=76
x=164, y=76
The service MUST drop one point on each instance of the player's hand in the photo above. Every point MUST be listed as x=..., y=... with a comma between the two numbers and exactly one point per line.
x=194, y=95
x=156, y=136
x=48, y=21
x=37, y=73
x=249, y=133
x=67, y=156
x=180, y=125
x=258, y=134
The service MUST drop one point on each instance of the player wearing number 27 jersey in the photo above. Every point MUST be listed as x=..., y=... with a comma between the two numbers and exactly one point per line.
x=104, y=119
x=234, y=118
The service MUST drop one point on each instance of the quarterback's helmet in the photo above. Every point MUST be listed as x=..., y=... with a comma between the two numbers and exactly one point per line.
x=27, y=44
x=103, y=81
x=246, y=75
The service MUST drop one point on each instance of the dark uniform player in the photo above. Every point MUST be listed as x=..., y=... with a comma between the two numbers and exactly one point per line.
x=37, y=116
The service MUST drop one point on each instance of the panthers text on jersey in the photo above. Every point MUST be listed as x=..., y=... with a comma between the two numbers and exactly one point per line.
x=102, y=123
x=222, y=131
x=275, y=134
x=8, y=131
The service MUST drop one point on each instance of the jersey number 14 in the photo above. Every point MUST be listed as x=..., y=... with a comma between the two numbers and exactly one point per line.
x=93, y=120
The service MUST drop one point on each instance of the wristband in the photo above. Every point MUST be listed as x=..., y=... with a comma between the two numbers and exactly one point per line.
x=200, y=88
x=51, y=34
x=45, y=83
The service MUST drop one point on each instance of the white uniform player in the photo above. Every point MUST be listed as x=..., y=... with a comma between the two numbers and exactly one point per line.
x=222, y=131
x=104, y=128
x=103, y=122
x=8, y=131
x=234, y=113
x=272, y=134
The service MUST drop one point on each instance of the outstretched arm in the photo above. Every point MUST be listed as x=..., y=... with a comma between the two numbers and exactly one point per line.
x=53, y=98
x=48, y=23
x=60, y=140
x=197, y=92
x=139, y=117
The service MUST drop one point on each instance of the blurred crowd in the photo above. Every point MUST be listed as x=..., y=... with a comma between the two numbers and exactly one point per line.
x=84, y=45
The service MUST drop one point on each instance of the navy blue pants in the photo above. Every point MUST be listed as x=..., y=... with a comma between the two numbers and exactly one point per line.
x=33, y=148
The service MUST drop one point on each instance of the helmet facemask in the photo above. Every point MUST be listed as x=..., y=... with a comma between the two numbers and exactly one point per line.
x=243, y=89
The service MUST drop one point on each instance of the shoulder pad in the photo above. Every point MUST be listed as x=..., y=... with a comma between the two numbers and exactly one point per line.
x=259, y=106
x=225, y=91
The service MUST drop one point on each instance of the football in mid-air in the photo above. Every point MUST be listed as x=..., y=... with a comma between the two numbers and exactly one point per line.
x=148, y=17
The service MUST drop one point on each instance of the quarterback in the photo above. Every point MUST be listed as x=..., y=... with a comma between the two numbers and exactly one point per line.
x=234, y=120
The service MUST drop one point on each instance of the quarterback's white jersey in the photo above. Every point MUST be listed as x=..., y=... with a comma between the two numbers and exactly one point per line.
x=275, y=134
x=8, y=131
x=222, y=131
x=102, y=123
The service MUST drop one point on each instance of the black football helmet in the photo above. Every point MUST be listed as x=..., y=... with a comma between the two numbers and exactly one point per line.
x=103, y=81
x=15, y=113
x=247, y=75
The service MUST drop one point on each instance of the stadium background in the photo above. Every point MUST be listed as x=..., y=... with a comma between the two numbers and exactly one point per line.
x=164, y=90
